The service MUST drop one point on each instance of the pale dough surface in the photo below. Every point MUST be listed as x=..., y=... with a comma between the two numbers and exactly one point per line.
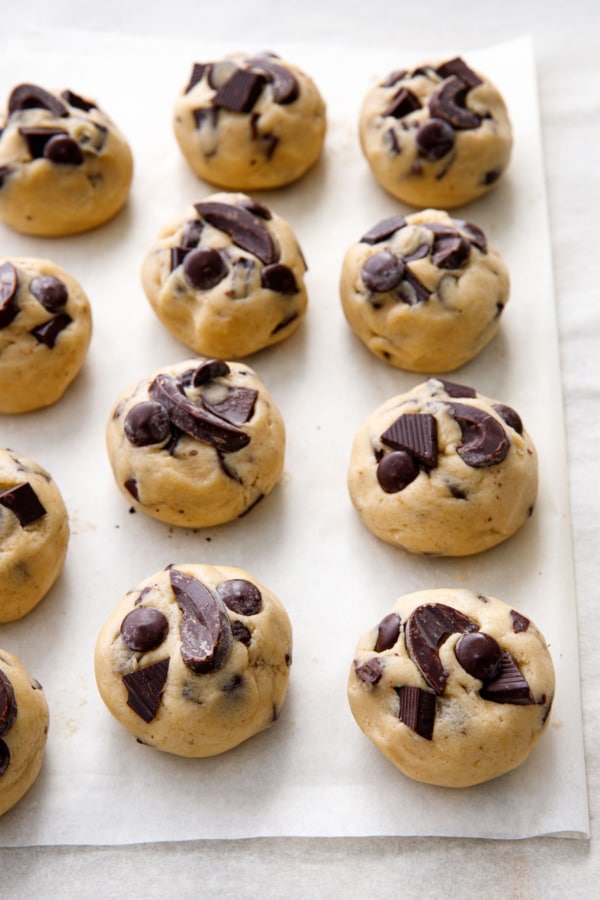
x=35, y=373
x=32, y=555
x=187, y=481
x=451, y=508
x=268, y=144
x=476, y=156
x=455, y=311
x=42, y=197
x=242, y=312
x=200, y=713
x=474, y=739
x=26, y=737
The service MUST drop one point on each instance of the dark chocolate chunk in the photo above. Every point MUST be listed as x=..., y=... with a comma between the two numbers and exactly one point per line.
x=420, y=253
x=243, y=228
x=195, y=420
x=204, y=116
x=388, y=632
x=131, y=486
x=382, y=271
x=474, y=233
x=427, y=628
x=411, y=290
x=448, y=102
x=285, y=87
x=236, y=407
x=417, y=434
x=256, y=208
x=145, y=688
x=396, y=470
x=491, y=177
x=23, y=501
x=30, y=96
x=48, y=332
x=519, y=622
x=383, y=230
x=219, y=72
x=453, y=389
x=204, y=628
x=484, y=440
x=479, y=654
x=63, y=150
x=37, y=138
x=178, y=254
x=9, y=285
x=147, y=423
x=78, y=102
x=458, y=67
x=204, y=268
x=369, y=672
x=192, y=233
x=450, y=251
x=144, y=629
x=241, y=633
x=208, y=370
x=4, y=757
x=434, y=139
x=240, y=92
x=8, y=704
x=197, y=74
x=279, y=278
x=417, y=709
x=241, y=596
x=51, y=292
x=510, y=416
x=509, y=685
x=402, y=103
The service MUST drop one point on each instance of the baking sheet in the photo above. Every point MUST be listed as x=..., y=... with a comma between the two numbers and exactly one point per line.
x=314, y=772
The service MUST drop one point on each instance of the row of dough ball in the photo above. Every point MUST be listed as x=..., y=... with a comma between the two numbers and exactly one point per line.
x=436, y=135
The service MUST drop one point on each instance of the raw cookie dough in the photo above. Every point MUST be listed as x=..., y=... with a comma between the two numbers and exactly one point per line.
x=454, y=687
x=227, y=277
x=443, y=470
x=250, y=122
x=34, y=534
x=45, y=331
x=64, y=165
x=196, y=444
x=437, y=135
x=23, y=730
x=424, y=292
x=195, y=659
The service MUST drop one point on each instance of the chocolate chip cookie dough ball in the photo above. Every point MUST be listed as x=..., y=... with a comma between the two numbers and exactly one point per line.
x=195, y=660
x=45, y=331
x=64, y=166
x=250, y=122
x=437, y=135
x=453, y=687
x=34, y=534
x=443, y=470
x=227, y=277
x=23, y=730
x=424, y=292
x=197, y=444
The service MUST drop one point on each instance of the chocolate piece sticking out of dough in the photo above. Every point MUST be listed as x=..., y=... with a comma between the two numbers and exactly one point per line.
x=31, y=96
x=192, y=233
x=369, y=672
x=241, y=633
x=519, y=622
x=476, y=235
x=23, y=501
x=131, y=486
x=37, y=138
x=382, y=272
x=147, y=423
x=240, y=92
x=448, y=102
x=458, y=67
x=8, y=704
x=51, y=292
x=396, y=470
x=204, y=268
x=479, y=654
x=63, y=150
x=402, y=103
x=509, y=686
x=285, y=86
x=236, y=407
x=256, y=208
x=453, y=389
x=9, y=285
x=383, y=230
x=145, y=688
x=417, y=709
x=205, y=630
x=242, y=227
x=4, y=757
x=197, y=74
x=426, y=630
x=450, y=251
x=388, y=632
x=241, y=596
x=279, y=278
x=484, y=440
x=417, y=434
x=434, y=139
x=48, y=332
x=78, y=102
x=144, y=628
x=510, y=416
x=411, y=290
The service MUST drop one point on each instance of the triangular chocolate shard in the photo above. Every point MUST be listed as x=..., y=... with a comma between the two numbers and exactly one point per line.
x=417, y=709
x=48, y=332
x=417, y=434
x=509, y=686
x=23, y=501
x=145, y=687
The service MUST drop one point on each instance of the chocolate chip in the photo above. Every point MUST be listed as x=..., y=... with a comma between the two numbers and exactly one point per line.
x=4, y=757
x=510, y=416
x=240, y=92
x=402, y=103
x=147, y=423
x=144, y=629
x=204, y=628
x=78, y=102
x=411, y=290
x=145, y=688
x=8, y=704
x=450, y=251
x=509, y=686
x=9, y=285
x=192, y=233
x=417, y=710
x=519, y=622
x=198, y=70
x=388, y=632
x=241, y=633
x=453, y=389
x=382, y=272
x=383, y=230
x=475, y=234
x=427, y=628
x=23, y=501
x=434, y=139
x=491, y=177
x=30, y=96
x=204, y=268
x=420, y=253
x=63, y=150
x=37, y=138
x=484, y=440
x=131, y=486
x=448, y=102
x=279, y=278
x=241, y=596
x=242, y=227
x=285, y=87
x=415, y=433
x=48, y=332
x=395, y=471
x=369, y=672
x=479, y=654
x=51, y=292
x=208, y=370
x=458, y=67
x=237, y=406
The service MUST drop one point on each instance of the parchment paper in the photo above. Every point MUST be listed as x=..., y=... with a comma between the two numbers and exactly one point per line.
x=314, y=772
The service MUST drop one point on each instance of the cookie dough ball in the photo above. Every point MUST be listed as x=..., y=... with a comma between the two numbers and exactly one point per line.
x=23, y=730
x=64, y=165
x=45, y=331
x=438, y=135
x=196, y=659
x=453, y=687
x=227, y=277
x=250, y=122
x=34, y=534
x=443, y=470
x=197, y=444
x=424, y=293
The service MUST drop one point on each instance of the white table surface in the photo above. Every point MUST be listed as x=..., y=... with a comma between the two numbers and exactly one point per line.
x=567, y=40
